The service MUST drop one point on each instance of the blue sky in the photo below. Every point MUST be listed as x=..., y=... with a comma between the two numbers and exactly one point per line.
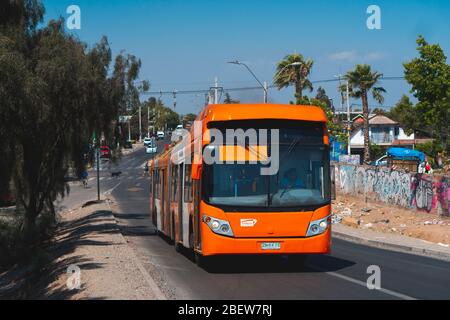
x=184, y=44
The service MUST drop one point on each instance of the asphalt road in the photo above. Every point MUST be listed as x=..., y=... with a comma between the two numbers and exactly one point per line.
x=340, y=275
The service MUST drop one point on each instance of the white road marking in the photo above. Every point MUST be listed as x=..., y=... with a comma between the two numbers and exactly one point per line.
x=112, y=189
x=364, y=284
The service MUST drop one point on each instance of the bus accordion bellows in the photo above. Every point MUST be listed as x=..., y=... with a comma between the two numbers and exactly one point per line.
x=218, y=196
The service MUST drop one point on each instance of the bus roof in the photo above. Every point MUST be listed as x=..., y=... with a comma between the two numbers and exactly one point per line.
x=241, y=111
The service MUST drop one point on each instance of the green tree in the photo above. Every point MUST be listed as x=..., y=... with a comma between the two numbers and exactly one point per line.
x=54, y=94
x=322, y=96
x=362, y=81
x=228, y=99
x=294, y=70
x=405, y=114
x=429, y=76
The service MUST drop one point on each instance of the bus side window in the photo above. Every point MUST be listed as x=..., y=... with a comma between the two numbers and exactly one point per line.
x=188, y=183
x=157, y=184
x=174, y=179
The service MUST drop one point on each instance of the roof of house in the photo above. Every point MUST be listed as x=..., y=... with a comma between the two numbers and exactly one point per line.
x=380, y=119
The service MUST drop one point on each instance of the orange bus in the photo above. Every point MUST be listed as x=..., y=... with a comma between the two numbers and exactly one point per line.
x=229, y=207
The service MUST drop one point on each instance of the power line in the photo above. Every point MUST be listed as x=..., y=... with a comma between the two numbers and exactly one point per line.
x=205, y=91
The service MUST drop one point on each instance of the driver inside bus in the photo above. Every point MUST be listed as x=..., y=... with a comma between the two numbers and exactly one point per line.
x=291, y=180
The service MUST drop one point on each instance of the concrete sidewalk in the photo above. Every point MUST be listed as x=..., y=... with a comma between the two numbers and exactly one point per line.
x=89, y=239
x=394, y=242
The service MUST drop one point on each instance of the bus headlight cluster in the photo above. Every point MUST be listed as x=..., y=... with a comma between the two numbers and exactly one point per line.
x=218, y=226
x=318, y=226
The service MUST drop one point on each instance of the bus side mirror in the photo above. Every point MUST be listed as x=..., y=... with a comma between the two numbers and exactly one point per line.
x=196, y=171
x=333, y=182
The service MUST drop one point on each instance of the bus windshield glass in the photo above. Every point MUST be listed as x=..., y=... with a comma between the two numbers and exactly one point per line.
x=301, y=180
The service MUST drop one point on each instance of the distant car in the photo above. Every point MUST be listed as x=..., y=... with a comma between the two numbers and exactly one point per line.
x=160, y=135
x=105, y=152
x=381, y=162
x=128, y=145
x=147, y=141
x=180, y=126
x=151, y=147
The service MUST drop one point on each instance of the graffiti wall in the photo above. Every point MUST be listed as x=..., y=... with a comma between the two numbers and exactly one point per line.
x=429, y=193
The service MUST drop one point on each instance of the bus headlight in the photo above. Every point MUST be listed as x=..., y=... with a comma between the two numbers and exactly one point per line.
x=218, y=226
x=318, y=226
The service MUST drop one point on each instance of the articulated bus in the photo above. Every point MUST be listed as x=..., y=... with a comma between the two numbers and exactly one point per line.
x=230, y=207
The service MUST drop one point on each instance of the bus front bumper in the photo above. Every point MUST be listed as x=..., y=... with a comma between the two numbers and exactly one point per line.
x=214, y=244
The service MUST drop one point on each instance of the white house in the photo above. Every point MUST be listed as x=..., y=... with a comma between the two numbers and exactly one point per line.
x=383, y=132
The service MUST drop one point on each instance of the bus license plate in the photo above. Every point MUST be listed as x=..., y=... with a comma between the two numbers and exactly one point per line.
x=270, y=246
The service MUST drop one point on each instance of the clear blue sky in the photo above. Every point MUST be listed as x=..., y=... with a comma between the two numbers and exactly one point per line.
x=184, y=44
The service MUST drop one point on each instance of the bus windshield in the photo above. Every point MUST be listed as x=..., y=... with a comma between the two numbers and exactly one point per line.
x=303, y=177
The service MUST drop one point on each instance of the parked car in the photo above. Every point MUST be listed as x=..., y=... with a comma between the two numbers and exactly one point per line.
x=381, y=162
x=105, y=152
x=128, y=145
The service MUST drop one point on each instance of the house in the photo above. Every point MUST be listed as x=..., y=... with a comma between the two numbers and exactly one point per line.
x=383, y=132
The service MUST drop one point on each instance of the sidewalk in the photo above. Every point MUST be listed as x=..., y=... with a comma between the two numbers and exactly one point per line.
x=89, y=239
x=392, y=242
x=390, y=227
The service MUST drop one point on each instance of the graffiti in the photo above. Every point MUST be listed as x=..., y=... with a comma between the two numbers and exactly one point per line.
x=422, y=189
x=409, y=190
x=350, y=159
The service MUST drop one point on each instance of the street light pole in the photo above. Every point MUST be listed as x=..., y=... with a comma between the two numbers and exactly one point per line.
x=254, y=76
x=349, y=149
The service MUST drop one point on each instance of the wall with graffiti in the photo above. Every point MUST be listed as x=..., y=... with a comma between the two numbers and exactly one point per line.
x=429, y=193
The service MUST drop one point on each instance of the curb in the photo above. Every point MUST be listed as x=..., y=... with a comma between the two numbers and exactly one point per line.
x=392, y=246
x=156, y=290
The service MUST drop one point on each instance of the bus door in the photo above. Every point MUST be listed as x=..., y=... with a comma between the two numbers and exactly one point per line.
x=179, y=213
x=163, y=199
x=197, y=199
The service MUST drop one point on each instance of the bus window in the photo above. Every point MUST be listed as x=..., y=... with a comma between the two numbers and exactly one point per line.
x=188, y=184
x=174, y=184
x=157, y=184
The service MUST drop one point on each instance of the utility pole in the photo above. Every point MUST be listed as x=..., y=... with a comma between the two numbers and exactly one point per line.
x=265, y=91
x=97, y=156
x=148, y=121
x=129, y=129
x=349, y=127
x=216, y=91
x=140, y=123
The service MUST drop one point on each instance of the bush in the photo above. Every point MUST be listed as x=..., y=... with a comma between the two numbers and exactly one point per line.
x=13, y=248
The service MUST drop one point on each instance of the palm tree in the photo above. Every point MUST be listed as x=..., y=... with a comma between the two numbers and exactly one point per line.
x=294, y=70
x=361, y=81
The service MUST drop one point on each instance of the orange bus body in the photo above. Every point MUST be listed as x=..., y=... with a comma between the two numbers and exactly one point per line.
x=178, y=210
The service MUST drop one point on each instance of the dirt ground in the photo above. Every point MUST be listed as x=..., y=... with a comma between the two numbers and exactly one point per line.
x=355, y=212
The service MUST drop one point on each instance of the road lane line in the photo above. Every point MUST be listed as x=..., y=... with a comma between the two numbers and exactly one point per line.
x=112, y=189
x=364, y=284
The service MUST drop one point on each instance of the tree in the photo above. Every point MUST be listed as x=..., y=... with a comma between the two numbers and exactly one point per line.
x=228, y=100
x=429, y=76
x=54, y=94
x=379, y=111
x=334, y=128
x=361, y=81
x=405, y=114
x=294, y=70
x=322, y=96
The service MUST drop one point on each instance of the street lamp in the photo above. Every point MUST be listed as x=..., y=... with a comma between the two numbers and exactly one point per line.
x=293, y=64
x=254, y=76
